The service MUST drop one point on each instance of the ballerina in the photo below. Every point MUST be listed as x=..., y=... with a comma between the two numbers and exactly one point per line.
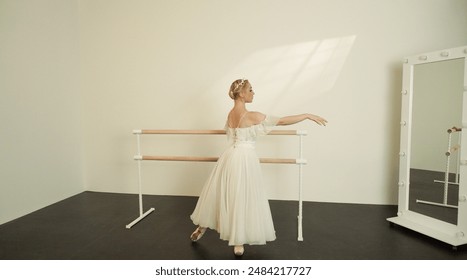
x=233, y=200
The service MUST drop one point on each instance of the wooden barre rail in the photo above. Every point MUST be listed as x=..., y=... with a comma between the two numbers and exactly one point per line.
x=214, y=159
x=211, y=132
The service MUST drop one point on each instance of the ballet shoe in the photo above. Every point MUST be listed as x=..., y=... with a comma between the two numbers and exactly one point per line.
x=197, y=234
x=239, y=250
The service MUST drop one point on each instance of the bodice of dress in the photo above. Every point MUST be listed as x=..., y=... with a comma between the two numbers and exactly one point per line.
x=246, y=136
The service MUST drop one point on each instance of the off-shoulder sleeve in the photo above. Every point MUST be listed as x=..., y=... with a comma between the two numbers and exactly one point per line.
x=267, y=125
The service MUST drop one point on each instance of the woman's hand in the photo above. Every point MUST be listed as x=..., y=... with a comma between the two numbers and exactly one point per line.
x=317, y=119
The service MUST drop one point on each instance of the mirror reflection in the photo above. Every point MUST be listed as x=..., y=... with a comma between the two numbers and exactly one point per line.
x=435, y=143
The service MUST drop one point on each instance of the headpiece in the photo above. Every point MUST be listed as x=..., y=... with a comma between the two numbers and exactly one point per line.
x=233, y=89
x=239, y=84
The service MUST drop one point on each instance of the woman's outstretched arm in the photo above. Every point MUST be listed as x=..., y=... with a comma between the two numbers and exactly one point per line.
x=288, y=120
x=257, y=117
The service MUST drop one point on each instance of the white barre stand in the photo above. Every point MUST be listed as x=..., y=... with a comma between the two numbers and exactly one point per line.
x=139, y=157
x=446, y=174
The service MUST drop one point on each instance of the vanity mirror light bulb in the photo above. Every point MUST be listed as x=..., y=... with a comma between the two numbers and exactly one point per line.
x=401, y=184
x=402, y=154
x=445, y=54
x=404, y=92
x=462, y=198
x=403, y=123
x=423, y=57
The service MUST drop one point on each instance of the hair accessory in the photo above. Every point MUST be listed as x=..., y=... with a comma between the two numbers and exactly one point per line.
x=239, y=84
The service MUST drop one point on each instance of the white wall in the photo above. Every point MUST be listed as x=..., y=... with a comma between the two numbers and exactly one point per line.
x=168, y=64
x=40, y=127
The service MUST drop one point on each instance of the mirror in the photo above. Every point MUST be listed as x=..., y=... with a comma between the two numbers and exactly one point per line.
x=435, y=147
x=433, y=162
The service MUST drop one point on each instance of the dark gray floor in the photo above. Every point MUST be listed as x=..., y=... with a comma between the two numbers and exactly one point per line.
x=91, y=226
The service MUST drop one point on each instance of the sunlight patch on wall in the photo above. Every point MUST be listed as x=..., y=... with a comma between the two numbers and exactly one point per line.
x=293, y=73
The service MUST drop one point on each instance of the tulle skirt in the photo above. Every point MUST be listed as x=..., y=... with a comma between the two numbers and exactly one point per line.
x=233, y=200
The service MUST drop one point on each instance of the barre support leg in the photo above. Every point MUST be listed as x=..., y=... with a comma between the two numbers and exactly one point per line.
x=140, y=191
x=437, y=204
x=142, y=216
x=300, y=202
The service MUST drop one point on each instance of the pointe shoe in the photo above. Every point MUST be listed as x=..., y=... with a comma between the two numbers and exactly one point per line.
x=197, y=234
x=239, y=250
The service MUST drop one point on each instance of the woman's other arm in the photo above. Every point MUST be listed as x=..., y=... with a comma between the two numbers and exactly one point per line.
x=288, y=120
x=257, y=117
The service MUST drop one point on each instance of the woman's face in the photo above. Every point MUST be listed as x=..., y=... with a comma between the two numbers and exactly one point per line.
x=248, y=93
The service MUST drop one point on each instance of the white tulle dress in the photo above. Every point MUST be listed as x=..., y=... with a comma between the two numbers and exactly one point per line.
x=233, y=200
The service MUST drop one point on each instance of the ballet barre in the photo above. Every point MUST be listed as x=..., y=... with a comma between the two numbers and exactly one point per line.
x=139, y=158
x=214, y=159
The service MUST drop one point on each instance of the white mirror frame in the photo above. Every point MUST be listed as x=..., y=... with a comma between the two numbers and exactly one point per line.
x=455, y=235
